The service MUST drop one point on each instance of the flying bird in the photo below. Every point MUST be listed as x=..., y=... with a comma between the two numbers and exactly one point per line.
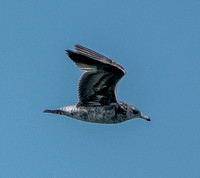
x=97, y=90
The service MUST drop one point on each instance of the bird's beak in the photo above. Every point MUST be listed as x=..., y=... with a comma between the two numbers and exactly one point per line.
x=145, y=117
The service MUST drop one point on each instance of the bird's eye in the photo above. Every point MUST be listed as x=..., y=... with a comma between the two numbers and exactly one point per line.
x=135, y=112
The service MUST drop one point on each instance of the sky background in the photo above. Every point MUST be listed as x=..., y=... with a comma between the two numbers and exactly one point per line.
x=157, y=42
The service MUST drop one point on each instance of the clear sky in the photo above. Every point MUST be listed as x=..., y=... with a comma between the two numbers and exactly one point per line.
x=157, y=42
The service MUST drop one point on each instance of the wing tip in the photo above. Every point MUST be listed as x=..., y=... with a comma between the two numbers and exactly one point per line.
x=81, y=50
x=77, y=45
x=69, y=52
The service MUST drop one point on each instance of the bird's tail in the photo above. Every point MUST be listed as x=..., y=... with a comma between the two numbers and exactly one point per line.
x=54, y=111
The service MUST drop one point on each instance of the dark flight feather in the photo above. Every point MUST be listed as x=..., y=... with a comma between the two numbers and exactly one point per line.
x=97, y=86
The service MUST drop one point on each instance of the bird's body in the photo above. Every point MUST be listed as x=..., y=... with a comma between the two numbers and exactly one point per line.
x=97, y=91
x=113, y=114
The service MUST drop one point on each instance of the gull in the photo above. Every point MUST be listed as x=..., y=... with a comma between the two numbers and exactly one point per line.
x=97, y=90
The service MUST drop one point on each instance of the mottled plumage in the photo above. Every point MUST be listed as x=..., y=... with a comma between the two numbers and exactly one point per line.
x=97, y=90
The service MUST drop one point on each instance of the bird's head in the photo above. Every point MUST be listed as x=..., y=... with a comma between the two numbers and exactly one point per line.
x=137, y=114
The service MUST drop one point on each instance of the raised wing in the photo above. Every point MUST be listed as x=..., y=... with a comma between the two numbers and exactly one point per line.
x=97, y=86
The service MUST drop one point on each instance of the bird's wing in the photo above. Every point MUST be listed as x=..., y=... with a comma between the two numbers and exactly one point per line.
x=97, y=86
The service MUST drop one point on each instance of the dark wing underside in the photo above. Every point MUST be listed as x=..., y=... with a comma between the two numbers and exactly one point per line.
x=97, y=86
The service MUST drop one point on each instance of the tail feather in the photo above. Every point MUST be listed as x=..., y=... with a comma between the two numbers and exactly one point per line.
x=54, y=111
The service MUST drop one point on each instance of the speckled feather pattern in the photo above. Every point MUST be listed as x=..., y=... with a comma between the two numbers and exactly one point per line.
x=98, y=114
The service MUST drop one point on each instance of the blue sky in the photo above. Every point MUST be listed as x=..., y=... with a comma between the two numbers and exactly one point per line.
x=157, y=42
